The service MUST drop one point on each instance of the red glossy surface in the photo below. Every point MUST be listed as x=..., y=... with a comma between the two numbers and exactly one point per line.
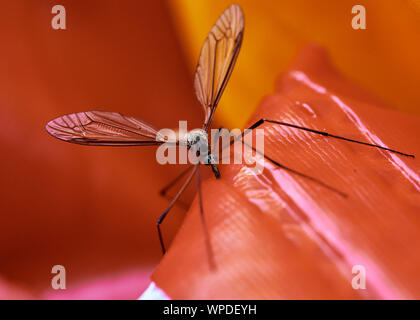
x=281, y=236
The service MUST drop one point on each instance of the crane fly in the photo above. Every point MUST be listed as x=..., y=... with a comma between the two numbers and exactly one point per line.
x=216, y=62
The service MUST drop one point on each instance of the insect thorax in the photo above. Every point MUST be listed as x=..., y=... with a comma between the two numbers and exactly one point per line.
x=197, y=140
x=197, y=137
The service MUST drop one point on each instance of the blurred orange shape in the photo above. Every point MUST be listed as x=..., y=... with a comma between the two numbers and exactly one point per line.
x=278, y=235
x=383, y=58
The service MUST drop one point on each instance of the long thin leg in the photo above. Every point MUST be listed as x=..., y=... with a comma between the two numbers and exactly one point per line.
x=240, y=137
x=164, y=190
x=326, y=134
x=203, y=221
x=297, y=172
x=162, y=217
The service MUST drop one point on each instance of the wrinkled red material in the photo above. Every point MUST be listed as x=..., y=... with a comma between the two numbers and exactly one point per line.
x=278, y=235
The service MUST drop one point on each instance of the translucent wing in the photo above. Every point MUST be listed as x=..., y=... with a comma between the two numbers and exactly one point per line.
x=102, y=128
x=217, y=59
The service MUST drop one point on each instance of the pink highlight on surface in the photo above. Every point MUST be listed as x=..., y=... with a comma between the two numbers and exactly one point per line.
x=307, y=107
x=301, y=77
x=128, y=285
x=331, y=241
x=319, y=220
x=259, y=196
x=409, y=174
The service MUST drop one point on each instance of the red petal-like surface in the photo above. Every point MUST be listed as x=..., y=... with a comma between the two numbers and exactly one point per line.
x=278, y=235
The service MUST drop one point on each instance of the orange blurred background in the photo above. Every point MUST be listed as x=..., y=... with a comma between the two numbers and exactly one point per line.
x=94, y=210
x=383, y=58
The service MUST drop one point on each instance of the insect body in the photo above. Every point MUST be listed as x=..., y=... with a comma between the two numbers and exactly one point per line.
x=197, y=140
x=102, y=128
x=216, y=62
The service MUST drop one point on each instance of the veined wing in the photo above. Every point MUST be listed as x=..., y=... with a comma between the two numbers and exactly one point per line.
x=217, y=59
x=103, y=128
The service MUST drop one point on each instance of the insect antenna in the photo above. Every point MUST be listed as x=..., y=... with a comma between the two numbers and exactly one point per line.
x=326, y=134
x=323, y=184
